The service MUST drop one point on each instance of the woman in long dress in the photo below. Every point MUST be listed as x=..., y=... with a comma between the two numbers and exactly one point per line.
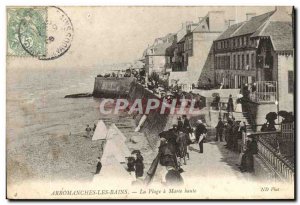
x=139, y=165
x=182, y=146
x=238, y=107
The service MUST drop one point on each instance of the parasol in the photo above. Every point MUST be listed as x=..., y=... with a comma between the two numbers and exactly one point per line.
x=271, y=116
x=136, y=151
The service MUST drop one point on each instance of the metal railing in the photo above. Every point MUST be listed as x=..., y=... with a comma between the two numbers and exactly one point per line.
x=269, y=152
x=266, y=91
x=288, y=132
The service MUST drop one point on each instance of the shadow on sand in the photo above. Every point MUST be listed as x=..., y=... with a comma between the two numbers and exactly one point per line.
x=229, y=157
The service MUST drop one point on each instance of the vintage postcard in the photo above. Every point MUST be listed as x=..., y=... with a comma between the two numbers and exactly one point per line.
x=137, y=102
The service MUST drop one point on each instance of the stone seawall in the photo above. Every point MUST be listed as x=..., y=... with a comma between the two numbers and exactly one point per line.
x=155, y=122
x=112, y=87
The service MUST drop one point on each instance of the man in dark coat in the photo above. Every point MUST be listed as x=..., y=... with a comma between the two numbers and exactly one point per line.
x=179, y=124
x=247, y=158
x=231, y=132
x=182, y=145
x=230, y=104
x=167, y=157
x=235, y=135
x=186, y=124
x=99, y=166
x=219, y=130
x=139, y=165
x=170, y=136
x=200, y=130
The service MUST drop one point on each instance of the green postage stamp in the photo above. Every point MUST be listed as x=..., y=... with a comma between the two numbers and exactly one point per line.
x=26, y=31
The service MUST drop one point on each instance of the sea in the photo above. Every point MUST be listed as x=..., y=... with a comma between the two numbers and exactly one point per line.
x=45, y=131
x=36, y=103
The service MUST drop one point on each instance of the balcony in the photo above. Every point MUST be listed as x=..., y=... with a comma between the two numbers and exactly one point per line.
x=265, y=92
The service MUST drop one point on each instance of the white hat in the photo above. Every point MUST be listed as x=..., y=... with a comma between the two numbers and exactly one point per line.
x=199, y=121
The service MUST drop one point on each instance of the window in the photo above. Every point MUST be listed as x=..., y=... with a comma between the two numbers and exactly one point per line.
x=291, y=81
x=228, y=62
x=234, y=66
x=238, y=61
x=253, y=61
x=190, y=43
x=243, y=62
x=233, y=43
x=247, y=59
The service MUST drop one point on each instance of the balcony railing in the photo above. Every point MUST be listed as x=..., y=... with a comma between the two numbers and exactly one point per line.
x=269, y=152
x=266, y=91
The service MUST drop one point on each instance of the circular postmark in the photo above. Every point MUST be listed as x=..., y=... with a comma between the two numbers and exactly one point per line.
x=59, y=36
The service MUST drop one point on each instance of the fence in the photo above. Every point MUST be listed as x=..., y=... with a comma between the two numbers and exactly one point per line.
x=269, y=152
x=266, y=91
x=288, y=131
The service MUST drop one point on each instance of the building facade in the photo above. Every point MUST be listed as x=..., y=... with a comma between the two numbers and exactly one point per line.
x=158, y=56
x=193, y=52
x=259, y=51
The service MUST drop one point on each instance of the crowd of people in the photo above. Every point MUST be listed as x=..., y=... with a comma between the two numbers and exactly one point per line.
x=233, y=132
x=135, y=164
x=90, y=131
x=173, y=150
x=231, y=106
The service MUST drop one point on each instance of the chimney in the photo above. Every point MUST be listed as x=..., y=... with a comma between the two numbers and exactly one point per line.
x=249, y=16
x=231, y=22
x=216, y=21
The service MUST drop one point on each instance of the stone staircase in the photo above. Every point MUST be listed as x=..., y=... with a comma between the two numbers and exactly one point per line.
x=244, y=117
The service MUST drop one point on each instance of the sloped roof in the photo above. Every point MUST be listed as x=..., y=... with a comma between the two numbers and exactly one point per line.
x=161, y=49
x=275, y=24
x=281, y=34
x=199, y=27
x=228, y=32
x=246, y=27
x=253, y=24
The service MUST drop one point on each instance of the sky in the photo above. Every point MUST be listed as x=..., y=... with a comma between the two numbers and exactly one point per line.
x=113, y=35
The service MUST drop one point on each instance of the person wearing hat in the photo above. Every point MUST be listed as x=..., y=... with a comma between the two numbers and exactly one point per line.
x=99, y=166
x=179, y=124
x=139, y=165
x=88, y=131
x=199, y=133
x=230, y=104
x=186, y=124
x=219, y=130
x=173, y=177
x=247, y=157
